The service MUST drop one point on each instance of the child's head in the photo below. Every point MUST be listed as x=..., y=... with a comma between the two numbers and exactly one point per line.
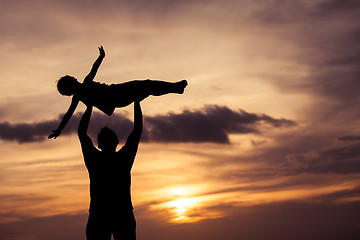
x=107, y=140
x=67, y=85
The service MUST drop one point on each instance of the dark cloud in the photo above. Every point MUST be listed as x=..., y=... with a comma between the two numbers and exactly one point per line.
x=23, y=132
x=339, y=5
x=35, y=132
x=285, y=12
x=343, y=160
x=329, y=51
x=335, y=64
x=257, y=143
x=349, y=138
x=209, y=124
x=290, y=158
x=50, y=20
x=338, y=196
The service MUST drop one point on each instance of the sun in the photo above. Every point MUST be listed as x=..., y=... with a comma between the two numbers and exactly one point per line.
x=181, y=209
x=183, y=204
x=186, y=204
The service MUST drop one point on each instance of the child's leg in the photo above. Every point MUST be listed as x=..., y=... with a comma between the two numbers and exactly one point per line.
x=158, y=88
x=138, y=90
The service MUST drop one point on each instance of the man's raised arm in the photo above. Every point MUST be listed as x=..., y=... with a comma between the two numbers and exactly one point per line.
x=96, y=65
x=85, y=140
x=138, y=120
x=133, y=140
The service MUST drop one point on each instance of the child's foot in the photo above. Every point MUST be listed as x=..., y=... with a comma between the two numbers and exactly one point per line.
x=180, y=86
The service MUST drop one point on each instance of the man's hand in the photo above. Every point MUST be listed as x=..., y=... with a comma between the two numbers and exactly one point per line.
x=139, y=98
x=101, y=51
x=55, y=134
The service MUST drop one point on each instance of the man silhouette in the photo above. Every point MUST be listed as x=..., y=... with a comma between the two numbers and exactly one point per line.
x=111, y=210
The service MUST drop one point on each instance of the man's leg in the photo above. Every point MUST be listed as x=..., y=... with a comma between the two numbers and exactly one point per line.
x=96, y=228
x=125, y=228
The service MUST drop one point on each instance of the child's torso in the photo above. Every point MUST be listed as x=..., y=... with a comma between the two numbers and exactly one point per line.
x=100, y=95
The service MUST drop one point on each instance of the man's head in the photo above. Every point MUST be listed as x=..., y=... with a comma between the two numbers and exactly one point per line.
x=67, y=85
x=107, y=140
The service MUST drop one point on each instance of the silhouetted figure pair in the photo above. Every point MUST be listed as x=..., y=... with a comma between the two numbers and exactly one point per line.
x=111, y=210
x=108, y=97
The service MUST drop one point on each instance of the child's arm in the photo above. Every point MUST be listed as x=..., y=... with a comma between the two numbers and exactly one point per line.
x=66, y=118
x=96, y=65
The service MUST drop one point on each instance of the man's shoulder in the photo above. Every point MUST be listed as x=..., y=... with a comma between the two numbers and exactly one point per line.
x=122, y=150
x=90, y=156
x=90, y=150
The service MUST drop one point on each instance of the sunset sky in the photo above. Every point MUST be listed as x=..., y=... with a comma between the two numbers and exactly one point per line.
x=263, y=144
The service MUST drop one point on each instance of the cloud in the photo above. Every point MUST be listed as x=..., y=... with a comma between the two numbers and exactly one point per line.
x=349, y=138
x=340, y=196
x=24, y=132
x=13, y=205
x=277, y=162
x=60, y=15
x=324, y=53
x=342, y=160
x=36, y=132
x=337, y=160
x=305, y=155
x=212, y=123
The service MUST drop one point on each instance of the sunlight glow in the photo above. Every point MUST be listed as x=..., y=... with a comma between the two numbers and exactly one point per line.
x=181, y=209
x=182, y=206
x=187, y=205
x=179, y=191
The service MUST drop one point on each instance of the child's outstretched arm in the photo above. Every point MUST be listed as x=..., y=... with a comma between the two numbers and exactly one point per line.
x=66, y=118
x=96, y=65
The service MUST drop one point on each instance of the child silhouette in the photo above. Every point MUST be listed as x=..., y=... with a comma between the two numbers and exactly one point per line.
x=108, y=97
